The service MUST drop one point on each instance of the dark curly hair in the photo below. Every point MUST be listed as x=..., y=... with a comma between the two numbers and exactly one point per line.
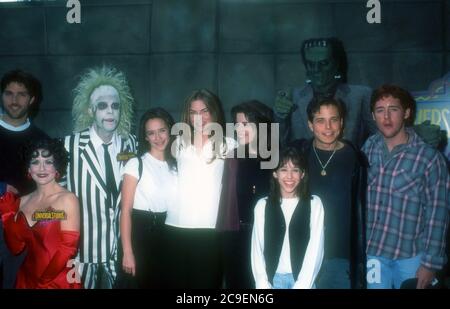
x=406, y=99
x=54, y=147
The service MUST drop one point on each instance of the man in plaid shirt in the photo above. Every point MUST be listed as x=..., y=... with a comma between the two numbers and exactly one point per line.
x=407, y=196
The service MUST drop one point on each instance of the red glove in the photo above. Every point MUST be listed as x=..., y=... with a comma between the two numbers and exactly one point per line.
x=15, y=231
x=66, y=250
x=9, y=202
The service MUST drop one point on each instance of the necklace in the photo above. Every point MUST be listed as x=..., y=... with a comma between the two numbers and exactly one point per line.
x=324, y=172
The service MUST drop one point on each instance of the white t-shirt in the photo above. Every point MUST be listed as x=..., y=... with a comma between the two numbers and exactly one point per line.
x=199, y=187
x=314, y=251
x=157, y=189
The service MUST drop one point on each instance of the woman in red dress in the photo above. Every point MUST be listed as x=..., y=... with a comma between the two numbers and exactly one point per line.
x=45, y=222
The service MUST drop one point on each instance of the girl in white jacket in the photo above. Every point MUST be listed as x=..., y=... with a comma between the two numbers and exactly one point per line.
x=287, y=238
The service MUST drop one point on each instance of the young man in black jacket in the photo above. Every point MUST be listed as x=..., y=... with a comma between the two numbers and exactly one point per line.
x=337, y=175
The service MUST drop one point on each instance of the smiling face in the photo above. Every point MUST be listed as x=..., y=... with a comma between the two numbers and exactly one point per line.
x=42, y=167
x=16, y=102
x=326, y=126
x=288, y=177
x=105, y=107
x=246, y=132
x=199, y=114
x=157, y=134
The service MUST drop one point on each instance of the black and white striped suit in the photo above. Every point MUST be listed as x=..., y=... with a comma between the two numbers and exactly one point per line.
x=99, y=216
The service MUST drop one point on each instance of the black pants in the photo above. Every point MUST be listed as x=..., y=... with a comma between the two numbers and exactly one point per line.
x=148, y=248
x=193, y=257
x=236, y=252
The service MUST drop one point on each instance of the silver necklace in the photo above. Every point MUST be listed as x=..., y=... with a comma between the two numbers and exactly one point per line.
x=324, y=172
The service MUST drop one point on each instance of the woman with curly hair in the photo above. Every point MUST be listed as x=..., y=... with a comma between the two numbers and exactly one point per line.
x=45, y=223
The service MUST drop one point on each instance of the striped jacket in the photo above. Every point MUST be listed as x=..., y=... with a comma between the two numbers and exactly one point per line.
x=99, y=222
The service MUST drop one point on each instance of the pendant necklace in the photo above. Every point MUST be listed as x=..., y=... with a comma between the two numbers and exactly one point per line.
x=324, y=172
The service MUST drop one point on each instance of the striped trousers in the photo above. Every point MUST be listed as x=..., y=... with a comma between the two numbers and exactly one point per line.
x=98, y=275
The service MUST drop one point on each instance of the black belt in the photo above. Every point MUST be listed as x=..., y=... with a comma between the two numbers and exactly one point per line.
x=155, y=220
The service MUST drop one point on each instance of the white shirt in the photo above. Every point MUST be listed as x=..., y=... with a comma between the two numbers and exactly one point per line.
x=156, y=191
x=199, y=186
x=113, y=150
x=313, y=254
x=20, y=128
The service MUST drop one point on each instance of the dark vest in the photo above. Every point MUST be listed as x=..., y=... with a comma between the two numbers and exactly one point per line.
x=274, y=231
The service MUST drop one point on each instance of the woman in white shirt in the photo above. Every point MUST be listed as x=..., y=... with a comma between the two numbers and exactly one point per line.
x=287, y=237
x=193, y=241
x=148, y=190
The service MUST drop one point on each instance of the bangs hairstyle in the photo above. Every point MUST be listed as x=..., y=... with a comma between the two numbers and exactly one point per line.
x=54, y=147
x=92, y=79
x=337, y=52
x=315, y=105
x=302, y=191
x=145, y=146
x=256, y=112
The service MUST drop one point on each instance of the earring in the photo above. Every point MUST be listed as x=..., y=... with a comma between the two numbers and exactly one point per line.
x=57, y=175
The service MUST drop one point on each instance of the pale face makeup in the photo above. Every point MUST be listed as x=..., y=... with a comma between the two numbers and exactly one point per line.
x=105, y=107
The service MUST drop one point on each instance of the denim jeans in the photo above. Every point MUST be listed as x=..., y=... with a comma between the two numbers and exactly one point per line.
x=334, y=274
x=283, y=281
x=383, y=273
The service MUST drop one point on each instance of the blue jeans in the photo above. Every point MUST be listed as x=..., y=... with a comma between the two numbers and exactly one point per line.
x=283, y=281
x=334, y=274
x=383, y=273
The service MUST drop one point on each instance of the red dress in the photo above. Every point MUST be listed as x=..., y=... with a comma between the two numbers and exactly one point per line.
x=48, y=249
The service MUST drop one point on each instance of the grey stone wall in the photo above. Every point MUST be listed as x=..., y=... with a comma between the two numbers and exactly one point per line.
x=241, y=49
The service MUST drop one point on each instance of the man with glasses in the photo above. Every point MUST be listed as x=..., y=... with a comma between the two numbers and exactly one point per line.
x=102, y=111
x=20, y=93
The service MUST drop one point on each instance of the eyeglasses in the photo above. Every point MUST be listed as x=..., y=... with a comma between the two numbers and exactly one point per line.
x=103, y=105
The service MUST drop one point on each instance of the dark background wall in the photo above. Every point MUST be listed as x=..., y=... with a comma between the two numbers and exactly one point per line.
x=240, y=49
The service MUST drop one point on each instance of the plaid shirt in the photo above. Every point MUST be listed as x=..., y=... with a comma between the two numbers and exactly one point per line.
x=407, y=200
